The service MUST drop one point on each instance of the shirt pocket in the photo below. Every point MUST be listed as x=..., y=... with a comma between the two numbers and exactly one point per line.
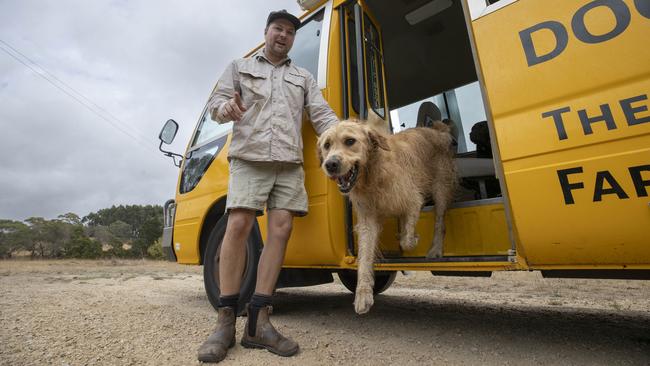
x=254, y=85
x=295, y=88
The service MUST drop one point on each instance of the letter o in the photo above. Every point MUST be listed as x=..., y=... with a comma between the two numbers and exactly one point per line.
x=620, y=10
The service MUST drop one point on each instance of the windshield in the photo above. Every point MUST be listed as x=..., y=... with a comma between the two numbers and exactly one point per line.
x=208, y=129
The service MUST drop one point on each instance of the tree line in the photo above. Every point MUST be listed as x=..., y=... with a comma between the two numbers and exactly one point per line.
x=131, y=231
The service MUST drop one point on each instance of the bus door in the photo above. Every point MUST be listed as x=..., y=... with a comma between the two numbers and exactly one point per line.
x=402, y=57
x=364, y=94
x=568, y=85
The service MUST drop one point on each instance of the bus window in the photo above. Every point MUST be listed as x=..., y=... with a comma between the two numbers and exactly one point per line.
x=304, y=52
x=472, y=111
x=406, y=116
x=463, y=105
x=374, y=67
x=354, y=72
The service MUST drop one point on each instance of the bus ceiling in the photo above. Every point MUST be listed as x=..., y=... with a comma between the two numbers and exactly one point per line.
x=427, y=57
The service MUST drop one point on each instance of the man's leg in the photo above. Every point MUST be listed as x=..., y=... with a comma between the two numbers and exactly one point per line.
x=233, y=250
x=259, y=332
x=231, y=268
x=268, y=269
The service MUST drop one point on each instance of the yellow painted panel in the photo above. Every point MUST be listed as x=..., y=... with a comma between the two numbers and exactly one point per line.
x=568, y=84
x=185, y=237
x=609, y=231
x=470, y=231
x=527, y=133
x=389, y=240
x=464, y=230
x=513, y=85
x=193, y=206
x=309, y=243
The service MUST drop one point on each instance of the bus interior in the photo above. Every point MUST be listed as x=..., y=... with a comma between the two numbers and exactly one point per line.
x=430, y=75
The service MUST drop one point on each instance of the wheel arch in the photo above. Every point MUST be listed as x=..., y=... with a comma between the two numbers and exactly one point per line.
x=213, y=216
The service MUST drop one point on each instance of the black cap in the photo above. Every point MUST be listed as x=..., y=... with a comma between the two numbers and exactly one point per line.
x=283, y=14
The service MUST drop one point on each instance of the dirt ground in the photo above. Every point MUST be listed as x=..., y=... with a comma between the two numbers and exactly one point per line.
x=156, y=313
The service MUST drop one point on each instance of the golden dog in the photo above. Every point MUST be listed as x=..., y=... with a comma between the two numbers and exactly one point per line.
x=389, y=175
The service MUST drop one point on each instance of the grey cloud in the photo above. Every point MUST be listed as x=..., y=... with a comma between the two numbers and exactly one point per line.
x=143, y=61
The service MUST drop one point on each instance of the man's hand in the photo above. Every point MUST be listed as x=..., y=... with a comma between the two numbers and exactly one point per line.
x=234, y=108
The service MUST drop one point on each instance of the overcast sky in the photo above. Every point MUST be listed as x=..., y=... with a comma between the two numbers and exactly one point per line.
x=138, y=63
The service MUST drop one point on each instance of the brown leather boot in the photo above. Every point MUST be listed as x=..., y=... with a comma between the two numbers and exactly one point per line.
x=214, y=349
x=267, y=337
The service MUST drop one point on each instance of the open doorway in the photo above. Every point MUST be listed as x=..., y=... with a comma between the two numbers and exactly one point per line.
x=431, y=75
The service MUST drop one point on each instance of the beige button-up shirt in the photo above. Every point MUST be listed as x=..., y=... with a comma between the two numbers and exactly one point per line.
x=275, y=97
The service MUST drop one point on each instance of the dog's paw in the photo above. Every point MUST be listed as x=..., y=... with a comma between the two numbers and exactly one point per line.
x=363, y=300
x=434, y=253
x=409, y=243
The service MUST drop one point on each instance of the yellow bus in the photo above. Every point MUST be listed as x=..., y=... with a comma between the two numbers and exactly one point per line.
x=549, y=103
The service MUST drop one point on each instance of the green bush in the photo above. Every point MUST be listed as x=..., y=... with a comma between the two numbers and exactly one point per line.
x=155, y=250
x=80, y=246
x=129, y=231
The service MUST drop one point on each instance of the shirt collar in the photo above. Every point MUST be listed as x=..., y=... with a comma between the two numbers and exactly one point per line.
x=260, y=55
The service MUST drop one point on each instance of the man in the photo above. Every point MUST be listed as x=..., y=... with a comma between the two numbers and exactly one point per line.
x=265, y=96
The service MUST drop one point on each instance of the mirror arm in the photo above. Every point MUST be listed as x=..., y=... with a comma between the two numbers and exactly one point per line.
x=171, y=155
x=177, y=163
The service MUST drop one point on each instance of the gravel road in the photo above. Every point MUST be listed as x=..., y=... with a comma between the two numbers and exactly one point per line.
x=156, y=313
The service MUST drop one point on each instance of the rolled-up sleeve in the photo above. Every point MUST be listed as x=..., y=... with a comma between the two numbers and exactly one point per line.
x=224, y=90
x=320, y=113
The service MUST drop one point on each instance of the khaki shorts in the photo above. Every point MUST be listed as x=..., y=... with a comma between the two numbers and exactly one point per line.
x=276, y=185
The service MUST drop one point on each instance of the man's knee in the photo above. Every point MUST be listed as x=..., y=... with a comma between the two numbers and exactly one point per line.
x=284, y=228
x=240, y=222
x=280, y=226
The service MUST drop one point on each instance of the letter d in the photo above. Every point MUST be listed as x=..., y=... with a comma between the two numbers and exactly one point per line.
x=561, y=38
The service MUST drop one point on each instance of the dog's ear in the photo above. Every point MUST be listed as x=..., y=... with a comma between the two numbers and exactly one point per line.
x=319, y=145
x=377, y=140
x=320, y=155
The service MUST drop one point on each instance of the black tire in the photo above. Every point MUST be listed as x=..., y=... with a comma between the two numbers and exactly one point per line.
x=383, y=280
x=211, y=264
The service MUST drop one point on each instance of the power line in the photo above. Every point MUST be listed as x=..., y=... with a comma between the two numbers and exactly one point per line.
x=90, y=105
x=73, y=89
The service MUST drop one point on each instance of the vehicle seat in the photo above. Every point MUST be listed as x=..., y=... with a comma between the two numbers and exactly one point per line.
x=478, y=172
x=429, y=113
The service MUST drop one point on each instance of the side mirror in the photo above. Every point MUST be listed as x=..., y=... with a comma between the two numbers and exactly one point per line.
x=168, y=131
x=166, y=136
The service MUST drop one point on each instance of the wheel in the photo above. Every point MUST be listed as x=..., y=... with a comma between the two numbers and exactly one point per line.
x=383, y=280
x=211, y=264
